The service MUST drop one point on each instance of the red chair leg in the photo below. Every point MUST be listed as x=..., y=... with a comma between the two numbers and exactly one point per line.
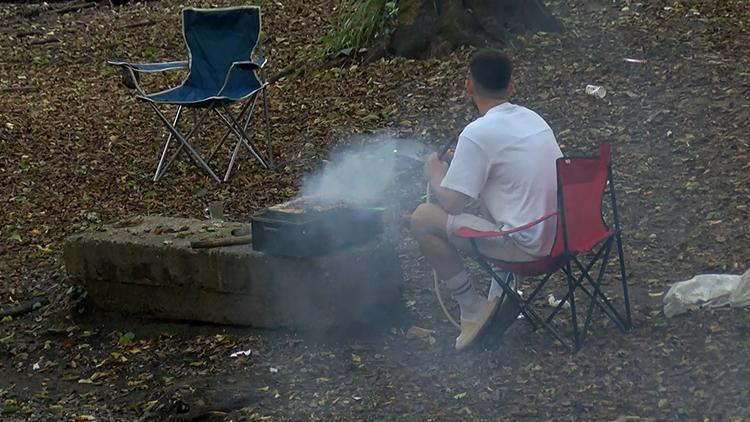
x=621, y=256
x=573, y=316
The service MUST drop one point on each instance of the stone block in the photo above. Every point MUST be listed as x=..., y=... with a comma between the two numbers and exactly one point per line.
x=150, y=268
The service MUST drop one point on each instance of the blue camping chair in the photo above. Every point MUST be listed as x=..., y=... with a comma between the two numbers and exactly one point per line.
x=221, y=72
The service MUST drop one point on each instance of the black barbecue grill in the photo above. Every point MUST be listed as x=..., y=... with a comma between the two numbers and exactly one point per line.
x=314, y=230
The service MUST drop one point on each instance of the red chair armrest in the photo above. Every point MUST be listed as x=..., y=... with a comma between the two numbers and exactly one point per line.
x=469, y=233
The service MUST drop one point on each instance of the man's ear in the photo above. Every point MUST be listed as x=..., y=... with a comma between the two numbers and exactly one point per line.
x=511, y=90
x=469, y=85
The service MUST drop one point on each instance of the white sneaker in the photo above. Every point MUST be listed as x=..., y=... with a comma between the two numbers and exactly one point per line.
x=470, y=329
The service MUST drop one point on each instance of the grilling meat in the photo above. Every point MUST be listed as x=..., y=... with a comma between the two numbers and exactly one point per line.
x=306, y=204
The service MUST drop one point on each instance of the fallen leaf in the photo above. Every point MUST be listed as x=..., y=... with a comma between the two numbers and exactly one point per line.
x=419, y=332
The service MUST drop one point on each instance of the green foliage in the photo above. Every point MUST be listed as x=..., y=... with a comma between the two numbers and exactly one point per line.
x=361, y=23
x=125, y=339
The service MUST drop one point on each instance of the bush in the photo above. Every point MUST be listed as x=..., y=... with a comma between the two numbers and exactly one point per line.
x=361, y=24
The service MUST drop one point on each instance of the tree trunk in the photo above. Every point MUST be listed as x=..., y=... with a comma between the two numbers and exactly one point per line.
x=427, y=28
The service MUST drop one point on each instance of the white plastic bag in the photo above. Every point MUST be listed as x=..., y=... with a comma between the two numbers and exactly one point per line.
x=741, y=295
x=707, y=291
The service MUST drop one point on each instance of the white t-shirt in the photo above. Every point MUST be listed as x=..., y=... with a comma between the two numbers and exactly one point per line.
x=507, y=158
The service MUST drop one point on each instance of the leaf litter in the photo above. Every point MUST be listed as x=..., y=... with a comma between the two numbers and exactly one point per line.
x=76, y=150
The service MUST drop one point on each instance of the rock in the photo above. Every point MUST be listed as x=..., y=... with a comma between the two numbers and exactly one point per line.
x=135, y=270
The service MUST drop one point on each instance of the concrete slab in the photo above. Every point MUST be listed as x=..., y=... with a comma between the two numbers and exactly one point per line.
x=147, y=266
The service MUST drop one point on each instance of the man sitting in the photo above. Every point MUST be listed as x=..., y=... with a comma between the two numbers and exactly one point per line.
x=505, y=159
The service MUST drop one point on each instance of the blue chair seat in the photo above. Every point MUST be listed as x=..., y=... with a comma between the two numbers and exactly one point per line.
x=199, y=97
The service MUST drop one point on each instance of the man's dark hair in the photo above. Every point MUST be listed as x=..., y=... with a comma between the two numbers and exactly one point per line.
x=490, y=70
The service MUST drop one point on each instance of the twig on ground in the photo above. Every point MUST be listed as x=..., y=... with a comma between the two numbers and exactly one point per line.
x=24, y=308
x=138, y=24
x=60, y=10
x=28, y=88
x=74, y=7
x=292, y=69
x=28, y=33
x=683, y=372
x=45, y=41
x=298, y=68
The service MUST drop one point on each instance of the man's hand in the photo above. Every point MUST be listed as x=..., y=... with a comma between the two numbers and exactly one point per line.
x=434, y=168
x=448, y=156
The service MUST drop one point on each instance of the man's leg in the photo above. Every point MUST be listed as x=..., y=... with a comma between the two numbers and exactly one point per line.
x=428, y=225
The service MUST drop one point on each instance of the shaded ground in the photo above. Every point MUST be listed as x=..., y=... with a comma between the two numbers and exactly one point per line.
x=76, y=149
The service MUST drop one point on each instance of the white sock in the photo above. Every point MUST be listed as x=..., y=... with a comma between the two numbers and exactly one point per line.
x=469, y=301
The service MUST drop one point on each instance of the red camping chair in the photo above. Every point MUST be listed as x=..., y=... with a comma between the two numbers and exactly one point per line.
x=581, y=184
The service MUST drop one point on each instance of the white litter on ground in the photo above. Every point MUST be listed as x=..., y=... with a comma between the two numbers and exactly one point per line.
x=708, y=291
x=239, y=353
x=554, y=302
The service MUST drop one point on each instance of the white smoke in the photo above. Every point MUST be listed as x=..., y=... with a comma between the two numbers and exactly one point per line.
x=363, y=175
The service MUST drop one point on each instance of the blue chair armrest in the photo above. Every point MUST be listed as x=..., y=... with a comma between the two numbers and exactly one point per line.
x=131, y=71
x=152, y=67
x=245, y=65
x=256, y=64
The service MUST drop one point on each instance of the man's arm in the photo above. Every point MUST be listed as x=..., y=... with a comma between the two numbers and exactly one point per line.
x=453, y=202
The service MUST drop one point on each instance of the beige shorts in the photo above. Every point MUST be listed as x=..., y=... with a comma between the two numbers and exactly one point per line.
x=501, y=248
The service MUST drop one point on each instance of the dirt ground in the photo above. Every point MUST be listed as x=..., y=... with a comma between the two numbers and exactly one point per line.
x=76, y=150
